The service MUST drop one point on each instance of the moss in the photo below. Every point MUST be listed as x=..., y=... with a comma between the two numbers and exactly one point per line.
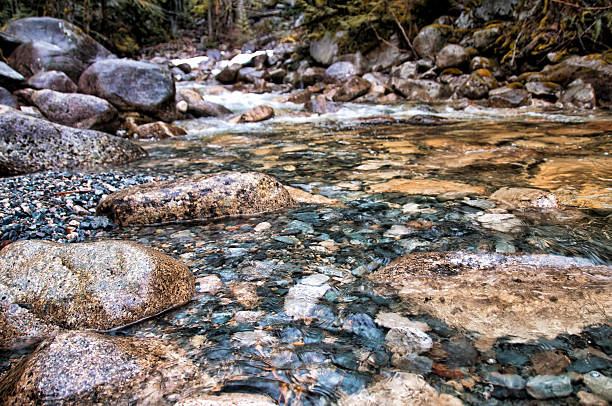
x=452, y=71
x=516, y=85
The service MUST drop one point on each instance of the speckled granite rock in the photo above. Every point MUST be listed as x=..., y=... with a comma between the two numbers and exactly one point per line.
x=196, y=198
x=29, y=144
x=521, y=295
x=46, y=286
x=85, y=368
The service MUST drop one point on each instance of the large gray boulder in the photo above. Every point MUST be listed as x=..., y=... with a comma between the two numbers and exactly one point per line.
x=340, y=72
x=196, y=198
x=29, y=144
x=591, y=69
x=132, y=86
x=52, y=44
x=47, y=286
x=325, y=49
x=452, y=55
x=430, y=40
x=86, y=368
x=76, y=110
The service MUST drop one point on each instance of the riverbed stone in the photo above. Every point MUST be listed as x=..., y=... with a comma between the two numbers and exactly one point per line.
x=421, y=89
x=256, y=114
x=339, y=72
x=516, y=197
x=159, y=130
x=101, y=285
x=198, y=107
x=319, y=104
x=405, y=340
x=199, y=197
x=549, y=386
x=452, y=55
x=352, y=89
x=480, y=82
x=599, y=384
x=53, y=80
x=81, y=367
x=430, y=40
x=302, y=298
x=591, y=69
x=29, y=144
x=325, y=49
x=520, y=295
x=508, y=97
x=132, y=86
x=424, y=187
x=579, y=95
x=76, y=110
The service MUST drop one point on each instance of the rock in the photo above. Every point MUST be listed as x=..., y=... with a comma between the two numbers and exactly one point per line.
x=312, y=75
x=524, y=198
x=480, y=62
x=430, y=40
x=52, y=80
x=101, y=285
x=10, y=78
x=52, y=44
x=485, y=38
x=378, y=82
x=198, y=107
x=549, y=386
x=394, y=320
x=320, y=105
x=421, y=89
x=196, y=198
x=599, y=384
x=79, y=367
x=245, y=293
x=545, y=90
x=508, y=97
x=407, y=70
x=324, y=50
x=549, y=363
x=509, y=381
x=303, y=197
x=251, y=75
x=159, y=130
x=520, y=295
x=405, y=340
x=479, y=84
x=76, y=110
x=229, y=74
x=132, y=86
x=424, y=187
x=302, y=298
x=493, y=9
x=401, y=389
x=588, y=399
x=277, y=75
x=385, y=56
x=579, y=95
x=592, y=69
x=353, y=88
x=259, y=113
x=340, y=72
x=30, y=144
x=228, y=399
x=7, y=98
x=209, y=285
x=8, y=43
x=451, y=56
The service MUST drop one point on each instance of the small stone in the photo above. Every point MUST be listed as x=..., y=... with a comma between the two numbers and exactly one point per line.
x=549, y=386
x=245, y=293
x=549, y=363
x=263, y=226
x=599, y=384
x=588, y=399
x=510, y=381
x=209, y=285
x=398, y=231
x=406, y=340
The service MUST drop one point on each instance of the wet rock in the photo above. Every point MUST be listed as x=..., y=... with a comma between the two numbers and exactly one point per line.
x=277, y=75
x=405, y=340
x=424, y=187
x=481, y=62
x=502, y=222
x=430, y=40
x=599, y=384
x=320, y=105
x=378, y=82
x=132, y=86
x=229, y=74
x=81, y=368
x=7, y=98
x=253, y=338
x=509, y=381
x=228, y=399
x=385, y=56
x=452, y=55
x=579, y=95
x=209, y=285
x=245, y=293
x=549, y=386
x=100, y=285
x=353, y=88
x=545, y=90
x=10, y=78
x=421, y=89
x=312, y=75
x=301, y=300
x=401, y=389
x=198, y=107
x=159, y=130
x=407, y=70
x=53, y=80
x=520, y=295
x=324, y=50
x=251, y=75
x=31, y=145
x=588, y=399
x=340, y=72
x=412, y=362
x=259, y=113
x=303, y=197
x=479, y=84
x=52, y=44
x=394, y=320
x=592, y=69
x=508, y=97
x=196, y=198
x=76, y=110
x=484, y=38
x=549, y=363
x=525, y=197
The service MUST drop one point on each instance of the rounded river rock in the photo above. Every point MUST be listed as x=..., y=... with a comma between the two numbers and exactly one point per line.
x=47, y=286
x=196, y=198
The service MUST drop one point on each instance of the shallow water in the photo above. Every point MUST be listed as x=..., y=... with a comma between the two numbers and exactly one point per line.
x=334, y=347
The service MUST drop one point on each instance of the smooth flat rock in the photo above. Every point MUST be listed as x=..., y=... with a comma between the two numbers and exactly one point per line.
x=520, y=295
x=197, y=198
x=85, y=368
x=29, y=144
x=102, y=285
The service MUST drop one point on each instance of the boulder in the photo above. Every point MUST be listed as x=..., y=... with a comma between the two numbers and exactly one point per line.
x=76, y=110
x=430, y=40
x=277, y=75
x=579, y=95
x=52, y=44
x=544, y=90
x=79, y=367
x=385, y=56
x=53, y=80
x=407, y=70
x=507, y=96
x=198, y=107
x=29, y=144
x=592, y=69
x=10, y=78
x=258, y=113
x=481, y=62
x=319, y=104
x=340, y=72
x=229, y=74
x=324, y=50
x=480, y=82
x=312, y=75
x=197, y=198
x=251, y=75
x=132, y=86
x=421, y=89
x=452, y=55
x=378, y=82
x=353, y=88
x=7, y=98
x=99, y=285
x=525, y=296
x=485, y=38
x=159, y=130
